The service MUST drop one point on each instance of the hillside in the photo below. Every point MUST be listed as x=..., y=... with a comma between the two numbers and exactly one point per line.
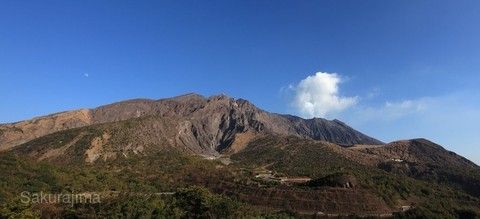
x=209, y=123
x=229, y=153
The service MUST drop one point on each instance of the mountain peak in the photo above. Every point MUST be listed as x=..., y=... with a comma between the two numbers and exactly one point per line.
x=185, y=97
x=204, y=125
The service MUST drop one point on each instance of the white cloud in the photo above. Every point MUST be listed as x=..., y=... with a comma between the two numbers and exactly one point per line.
x=318, y=96
x=388, y=111
x=394, y=110
x=86, y=75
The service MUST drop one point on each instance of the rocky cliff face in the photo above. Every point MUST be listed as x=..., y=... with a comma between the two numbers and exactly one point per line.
x=209, y=123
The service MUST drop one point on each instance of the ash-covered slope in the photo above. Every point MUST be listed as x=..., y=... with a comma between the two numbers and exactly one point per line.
x=198, y=121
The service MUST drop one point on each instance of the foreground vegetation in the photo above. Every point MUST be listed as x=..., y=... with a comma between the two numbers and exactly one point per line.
x=130, y=192
x=167, y=184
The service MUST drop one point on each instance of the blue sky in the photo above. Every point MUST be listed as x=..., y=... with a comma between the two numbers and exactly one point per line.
x=392, y=69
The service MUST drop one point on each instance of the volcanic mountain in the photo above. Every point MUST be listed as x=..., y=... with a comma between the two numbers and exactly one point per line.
x=268, y=161
x=192, y=122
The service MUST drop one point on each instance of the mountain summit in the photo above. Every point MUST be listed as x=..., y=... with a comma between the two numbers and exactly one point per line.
x=205, y=125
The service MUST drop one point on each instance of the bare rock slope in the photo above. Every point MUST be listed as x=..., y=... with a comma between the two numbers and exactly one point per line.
x=208, y=125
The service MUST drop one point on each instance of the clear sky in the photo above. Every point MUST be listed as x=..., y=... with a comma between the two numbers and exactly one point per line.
x=392, y=69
